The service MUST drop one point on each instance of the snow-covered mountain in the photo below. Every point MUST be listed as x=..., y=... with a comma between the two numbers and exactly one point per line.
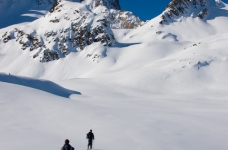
x=90, y=65
x=19, y=11
x=91, y=28
x=203, y=9
x=70, y=27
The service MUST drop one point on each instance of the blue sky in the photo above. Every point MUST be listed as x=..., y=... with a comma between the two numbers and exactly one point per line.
x=146, y=9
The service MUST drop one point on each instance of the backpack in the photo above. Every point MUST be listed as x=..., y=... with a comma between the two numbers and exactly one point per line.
x=89, y=136
x=67, y=147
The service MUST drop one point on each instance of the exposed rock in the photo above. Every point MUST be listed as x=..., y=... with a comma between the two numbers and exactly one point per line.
x=123, y=20
x=55, y=20
x=110, y=4
x=203, y=13
x=186, y=8
x=49, y=55
x=200, y=64
x=53, y=6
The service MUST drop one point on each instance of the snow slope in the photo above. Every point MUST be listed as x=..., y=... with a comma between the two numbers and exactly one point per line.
x=22, y=11
x=159, y=86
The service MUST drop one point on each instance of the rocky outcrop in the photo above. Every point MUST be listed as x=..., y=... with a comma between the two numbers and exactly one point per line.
x=187, y=8
x=123, y=20
x=203, y=13
x=110, y=4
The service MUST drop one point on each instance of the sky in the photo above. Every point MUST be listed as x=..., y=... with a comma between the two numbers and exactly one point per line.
x=146, y=9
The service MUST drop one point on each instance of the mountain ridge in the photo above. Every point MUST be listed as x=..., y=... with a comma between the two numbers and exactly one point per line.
x=74, y=34
x=73, y=27
x=189, y=8
x=19, y=11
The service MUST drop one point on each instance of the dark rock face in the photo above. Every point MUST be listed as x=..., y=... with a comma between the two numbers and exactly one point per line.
x=203, y=13
x=177, y=8
x=110, y=4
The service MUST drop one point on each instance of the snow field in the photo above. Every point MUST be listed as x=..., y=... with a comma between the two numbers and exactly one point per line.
x=33, y=119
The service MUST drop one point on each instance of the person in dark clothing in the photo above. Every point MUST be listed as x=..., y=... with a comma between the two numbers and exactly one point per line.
x=67, y=146
x=90, y=137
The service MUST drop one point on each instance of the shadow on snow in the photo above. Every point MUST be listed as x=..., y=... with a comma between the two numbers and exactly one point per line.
x=43, y=85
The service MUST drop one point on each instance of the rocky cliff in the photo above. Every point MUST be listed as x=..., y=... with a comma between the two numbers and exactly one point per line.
x=110, y=4
x=188, y=8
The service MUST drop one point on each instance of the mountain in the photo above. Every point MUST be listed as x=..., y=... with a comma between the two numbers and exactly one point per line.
x=203, y=9
x=78, y=32
x=19, y=11
x=70, y=27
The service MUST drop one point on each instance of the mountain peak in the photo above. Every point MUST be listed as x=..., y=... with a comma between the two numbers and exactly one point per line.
x=110, y=4
x=188, y=8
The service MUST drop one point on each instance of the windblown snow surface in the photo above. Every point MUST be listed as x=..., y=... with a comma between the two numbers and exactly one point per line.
x=160, y=87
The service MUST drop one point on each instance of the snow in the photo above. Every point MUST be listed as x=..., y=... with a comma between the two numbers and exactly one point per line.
x=33, y=119
x=43, y=85
x=20, y=11
x=160, y=87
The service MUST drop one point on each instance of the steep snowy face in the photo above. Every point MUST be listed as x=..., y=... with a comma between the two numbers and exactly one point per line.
x=189, y=8
x=18, y=11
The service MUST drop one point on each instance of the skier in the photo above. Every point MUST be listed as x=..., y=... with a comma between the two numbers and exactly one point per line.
x=90, y=137
x=67, y=146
